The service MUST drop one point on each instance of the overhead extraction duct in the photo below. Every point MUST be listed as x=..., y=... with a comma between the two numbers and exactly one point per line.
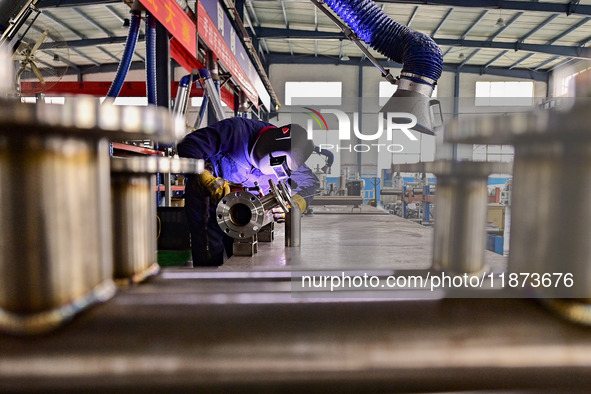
x=421, y=57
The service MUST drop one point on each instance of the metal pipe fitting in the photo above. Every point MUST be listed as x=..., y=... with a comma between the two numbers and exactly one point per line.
x=55, y=207
x=182, y=97
x=133, y=181
x=293, y=227
x=242, y=214
x=462, y=198
x=293, y=220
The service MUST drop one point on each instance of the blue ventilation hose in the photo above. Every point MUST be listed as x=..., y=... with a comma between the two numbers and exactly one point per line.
x=328, y=154
x=184, y=82
x=134, y=30
x=419, y=54
x=151, y=59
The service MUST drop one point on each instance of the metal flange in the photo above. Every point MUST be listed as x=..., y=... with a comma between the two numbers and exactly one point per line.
x=242, y=214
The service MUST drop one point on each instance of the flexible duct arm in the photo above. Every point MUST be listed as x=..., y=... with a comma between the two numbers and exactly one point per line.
x=182, y=96
x=329, y=158
x=151, y=59
x=134, y=30
x=212, y=92
x=421, y=57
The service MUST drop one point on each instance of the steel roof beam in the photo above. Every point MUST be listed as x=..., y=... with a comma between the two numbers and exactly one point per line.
x=73, y=3
x=412, y=16
x=108, y=53
x=561, y=50
x=462, y=64
x=503, y=28
x=500, y=55
x=538, y=28
x=546, y=62
x=282, y=58
x=92, y=22
x=115, y=13
x=521, y=61
x=254, y=14
x=63, y=24
x=269, y=32
x=570, y=30
x=476, y=22
x=562, y=63
x=316, y=18
x=442, y=22
x=284, y=14
x=84, y=56
x=539, y=6
x=569, y=8
x=90, y=42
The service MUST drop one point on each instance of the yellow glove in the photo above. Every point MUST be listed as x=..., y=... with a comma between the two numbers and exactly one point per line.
x=300, y=201
x=216, y=187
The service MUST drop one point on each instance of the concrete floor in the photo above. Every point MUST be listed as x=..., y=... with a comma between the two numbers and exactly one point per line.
x=351, y=242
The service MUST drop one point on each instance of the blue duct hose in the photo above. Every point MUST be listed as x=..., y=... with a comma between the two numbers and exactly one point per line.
x=184, y=82
x=328, y=154
x=151, y=58
x=134, y=30
x=419, y=54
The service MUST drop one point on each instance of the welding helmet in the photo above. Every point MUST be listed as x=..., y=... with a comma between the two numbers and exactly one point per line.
x=281, y=150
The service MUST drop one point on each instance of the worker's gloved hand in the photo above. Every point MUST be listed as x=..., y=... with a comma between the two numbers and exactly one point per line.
x=300, y=201
x=216, y=187
x=278, y=214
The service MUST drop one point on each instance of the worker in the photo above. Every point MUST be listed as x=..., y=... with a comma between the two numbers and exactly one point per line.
x=240, y=151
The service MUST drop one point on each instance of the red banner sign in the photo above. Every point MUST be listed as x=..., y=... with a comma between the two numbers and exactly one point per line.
x=178, y=23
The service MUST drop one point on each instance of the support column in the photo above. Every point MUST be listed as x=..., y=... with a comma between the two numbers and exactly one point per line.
x=162, y=66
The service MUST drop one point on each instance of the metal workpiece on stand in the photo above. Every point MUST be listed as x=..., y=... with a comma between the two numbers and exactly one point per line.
x=242, y=214
x=133, y=181
x=460, y=224
x=550, y=223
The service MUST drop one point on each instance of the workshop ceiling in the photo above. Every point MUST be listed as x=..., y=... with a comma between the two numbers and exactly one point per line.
x=534, y=36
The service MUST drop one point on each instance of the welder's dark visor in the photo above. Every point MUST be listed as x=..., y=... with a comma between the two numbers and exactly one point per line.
x=280, y=166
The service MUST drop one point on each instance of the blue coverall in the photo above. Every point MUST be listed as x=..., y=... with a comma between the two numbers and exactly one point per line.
x=225, y=146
